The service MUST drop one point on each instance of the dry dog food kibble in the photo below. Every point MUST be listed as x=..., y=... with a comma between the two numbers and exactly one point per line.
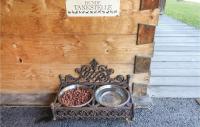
x=76, y=97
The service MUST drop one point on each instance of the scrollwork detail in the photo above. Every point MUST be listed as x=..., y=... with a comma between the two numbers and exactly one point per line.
x=95, y=73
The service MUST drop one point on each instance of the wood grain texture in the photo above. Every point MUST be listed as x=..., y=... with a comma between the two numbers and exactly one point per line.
x=149, y=4
x=33, y=78
x=72, y=49
x=140, y=83
x=145, y=34
x=38, y=17
x=142, y=64
x=139, y=90
x=39, y=42
x=51, y=6
x=198, y=101
x=32, y=64
x=141, y=78
x=41, y=25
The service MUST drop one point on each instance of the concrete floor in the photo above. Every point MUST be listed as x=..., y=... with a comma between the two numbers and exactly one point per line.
x=164, y=113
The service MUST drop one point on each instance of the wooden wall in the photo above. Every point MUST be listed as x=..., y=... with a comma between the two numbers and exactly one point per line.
x=39, y=42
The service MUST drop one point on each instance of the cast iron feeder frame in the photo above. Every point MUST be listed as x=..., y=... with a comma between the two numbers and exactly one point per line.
x=93, y=75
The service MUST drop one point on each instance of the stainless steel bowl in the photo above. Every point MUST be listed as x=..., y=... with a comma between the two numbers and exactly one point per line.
x=71, y=87
x=112, y=96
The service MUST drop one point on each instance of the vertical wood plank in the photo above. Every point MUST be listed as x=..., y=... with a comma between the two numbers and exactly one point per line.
x=149, y=4
x=145, y=34
x=142, y=64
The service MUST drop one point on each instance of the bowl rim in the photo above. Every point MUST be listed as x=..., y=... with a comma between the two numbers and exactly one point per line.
x=76, y=86
x=120, y=105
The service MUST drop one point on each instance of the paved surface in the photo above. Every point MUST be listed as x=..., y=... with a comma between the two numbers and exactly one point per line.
x=164, y=113
x=175, y=65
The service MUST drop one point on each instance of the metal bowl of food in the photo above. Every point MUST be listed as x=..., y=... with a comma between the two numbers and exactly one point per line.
x=75, y=95
x=112, y=96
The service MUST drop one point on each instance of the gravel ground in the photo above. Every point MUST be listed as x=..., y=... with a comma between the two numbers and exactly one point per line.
x=164, y=113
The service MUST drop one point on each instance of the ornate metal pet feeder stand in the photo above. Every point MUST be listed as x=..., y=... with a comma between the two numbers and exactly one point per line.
x=94, y=76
